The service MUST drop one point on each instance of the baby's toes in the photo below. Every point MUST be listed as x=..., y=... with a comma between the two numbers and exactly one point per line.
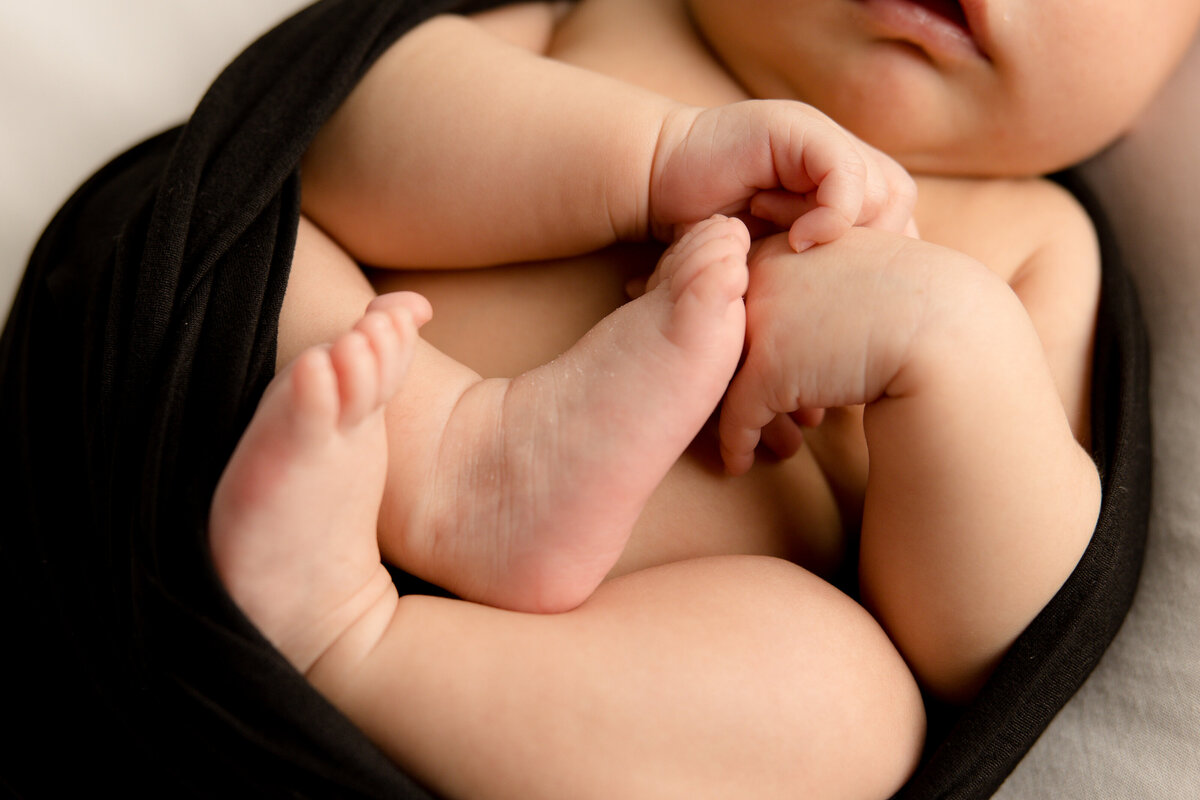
x=393, y=302
x=383, y=334
x=716, y=239
x=717, y=279
x=357, y=371
x=314, y=402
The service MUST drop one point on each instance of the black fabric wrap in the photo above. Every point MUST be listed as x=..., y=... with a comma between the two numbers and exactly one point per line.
x=141, y=338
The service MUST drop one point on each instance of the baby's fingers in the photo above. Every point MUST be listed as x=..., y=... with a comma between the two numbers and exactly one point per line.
x=783, y=436
x=744, y=414
x=781, y=208
x=836, y=167
x=843, y=182
x=891, y=195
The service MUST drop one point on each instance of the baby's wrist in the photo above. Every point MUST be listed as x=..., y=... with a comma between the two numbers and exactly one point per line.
x=659, y=222
x=971, y=328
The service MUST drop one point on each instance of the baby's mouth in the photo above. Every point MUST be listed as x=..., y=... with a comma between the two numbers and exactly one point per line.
x=937, y=26
x=950, y=10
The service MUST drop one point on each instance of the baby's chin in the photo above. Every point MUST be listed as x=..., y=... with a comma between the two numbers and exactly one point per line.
x=987, y=159
x=935, y=136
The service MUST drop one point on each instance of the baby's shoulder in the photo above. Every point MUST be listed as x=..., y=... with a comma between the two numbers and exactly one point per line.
x=1009, y=224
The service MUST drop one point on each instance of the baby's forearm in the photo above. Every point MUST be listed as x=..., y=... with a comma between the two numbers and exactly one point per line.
x=458, y=149
x=979, y=502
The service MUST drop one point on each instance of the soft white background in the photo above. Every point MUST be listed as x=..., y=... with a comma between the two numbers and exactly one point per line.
x=81, y=80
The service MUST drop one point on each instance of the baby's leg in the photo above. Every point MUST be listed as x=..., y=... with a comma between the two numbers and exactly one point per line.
x=538, y=481
x=720, y=677
x=723, y=677
x=292, y=524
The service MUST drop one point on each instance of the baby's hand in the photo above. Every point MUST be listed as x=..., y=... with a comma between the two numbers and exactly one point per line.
x=782, y=161
x=834, y=326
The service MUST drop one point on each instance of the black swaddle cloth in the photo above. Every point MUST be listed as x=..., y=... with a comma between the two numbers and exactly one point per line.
x=141, y=338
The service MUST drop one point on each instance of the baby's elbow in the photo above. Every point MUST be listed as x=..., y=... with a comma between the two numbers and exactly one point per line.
x=958, y=660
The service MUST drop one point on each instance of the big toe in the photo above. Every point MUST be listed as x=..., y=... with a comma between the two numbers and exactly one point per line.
x=707, y=287
x=710, y=243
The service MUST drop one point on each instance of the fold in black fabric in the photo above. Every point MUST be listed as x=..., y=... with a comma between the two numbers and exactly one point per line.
x=141, y=338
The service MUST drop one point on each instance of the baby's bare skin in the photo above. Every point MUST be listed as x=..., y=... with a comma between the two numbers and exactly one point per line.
x=782, y=508
x=418, y=673
x=817, y=497
x=1035, y=239
x=787, y=508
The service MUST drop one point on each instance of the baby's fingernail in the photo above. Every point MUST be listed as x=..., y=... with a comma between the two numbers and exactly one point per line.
x=800, y=247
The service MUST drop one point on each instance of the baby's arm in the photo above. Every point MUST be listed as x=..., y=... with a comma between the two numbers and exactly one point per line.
x=979, y=500
x=460, y=149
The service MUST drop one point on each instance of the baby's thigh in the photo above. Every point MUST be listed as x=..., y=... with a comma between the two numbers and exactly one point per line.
x=730, y=676
x=326, y=294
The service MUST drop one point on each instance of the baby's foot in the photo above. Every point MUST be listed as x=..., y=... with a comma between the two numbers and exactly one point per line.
x=538, y=509
x=293, y=521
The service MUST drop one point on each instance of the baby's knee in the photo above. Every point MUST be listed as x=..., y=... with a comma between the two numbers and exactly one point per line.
x=869, y=705
x=833, y=696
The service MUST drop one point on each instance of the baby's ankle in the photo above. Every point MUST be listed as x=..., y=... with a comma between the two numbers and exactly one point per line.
x=349, y=636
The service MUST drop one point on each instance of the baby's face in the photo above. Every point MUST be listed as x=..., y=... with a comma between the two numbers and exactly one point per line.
x=991, y=87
